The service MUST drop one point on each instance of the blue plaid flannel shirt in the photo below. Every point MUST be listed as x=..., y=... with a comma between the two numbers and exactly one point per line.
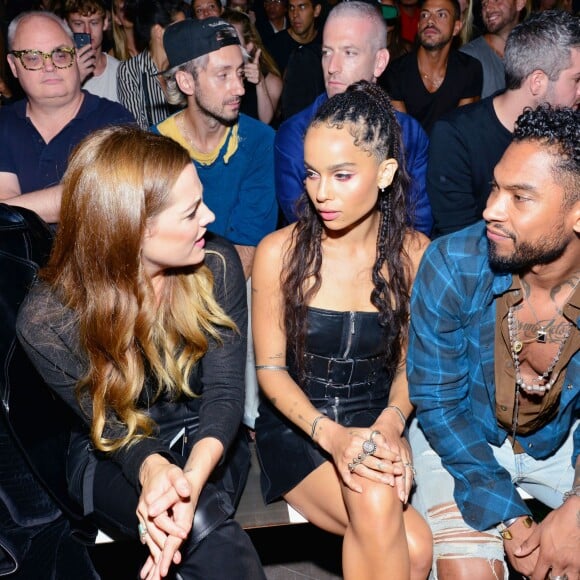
x=451, y=377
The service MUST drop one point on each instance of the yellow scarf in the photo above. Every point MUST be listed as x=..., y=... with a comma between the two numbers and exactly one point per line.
x=169, y=128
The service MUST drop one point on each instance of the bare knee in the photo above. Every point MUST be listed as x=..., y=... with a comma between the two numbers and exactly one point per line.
x=377, y=510
x=420, y=543
x=462, y=553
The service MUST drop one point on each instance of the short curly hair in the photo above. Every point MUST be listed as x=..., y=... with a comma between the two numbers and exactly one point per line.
x=558, y=129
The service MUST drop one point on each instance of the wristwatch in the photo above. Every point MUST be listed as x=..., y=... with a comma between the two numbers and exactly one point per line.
x=503, y=527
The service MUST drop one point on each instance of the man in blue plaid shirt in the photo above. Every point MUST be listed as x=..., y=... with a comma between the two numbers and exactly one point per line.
x=494, y=365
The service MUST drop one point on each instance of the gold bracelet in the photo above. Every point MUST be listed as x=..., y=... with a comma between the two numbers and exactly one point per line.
x=504, y=527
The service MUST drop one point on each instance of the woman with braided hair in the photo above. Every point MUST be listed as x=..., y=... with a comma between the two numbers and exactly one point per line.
x=330, y=316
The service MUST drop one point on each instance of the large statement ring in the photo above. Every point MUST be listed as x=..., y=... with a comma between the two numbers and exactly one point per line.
x=369, y=446
x=142, y=530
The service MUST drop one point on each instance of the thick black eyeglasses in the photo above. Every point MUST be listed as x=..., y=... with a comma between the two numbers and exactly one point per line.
x=34, y=59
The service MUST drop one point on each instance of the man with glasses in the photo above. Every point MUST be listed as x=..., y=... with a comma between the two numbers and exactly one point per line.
x=39, y=132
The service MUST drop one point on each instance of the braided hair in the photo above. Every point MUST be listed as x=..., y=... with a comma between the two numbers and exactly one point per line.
x=366, y=112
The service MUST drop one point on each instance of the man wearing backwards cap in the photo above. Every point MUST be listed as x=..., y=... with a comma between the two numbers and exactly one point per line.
x=232, y=153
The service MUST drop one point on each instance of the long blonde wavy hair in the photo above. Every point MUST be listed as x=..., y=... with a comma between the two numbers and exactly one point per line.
x=117, y=180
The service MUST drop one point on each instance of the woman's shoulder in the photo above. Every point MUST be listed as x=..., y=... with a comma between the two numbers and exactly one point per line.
x=271, y=250
x=42, y=310
x=275, y=243
x=415, y=244
x=221, y=257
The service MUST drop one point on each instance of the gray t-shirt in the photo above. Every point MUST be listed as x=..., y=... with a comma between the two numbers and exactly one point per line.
x=492, y=64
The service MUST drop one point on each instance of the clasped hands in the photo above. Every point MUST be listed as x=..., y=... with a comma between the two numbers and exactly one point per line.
x=549, y=549
x=165, y=511
x=388, y=462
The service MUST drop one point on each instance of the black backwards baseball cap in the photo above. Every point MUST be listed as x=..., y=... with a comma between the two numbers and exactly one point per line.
x=188, y=39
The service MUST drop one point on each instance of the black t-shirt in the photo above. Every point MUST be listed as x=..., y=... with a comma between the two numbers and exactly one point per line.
x=402, y=80
x=281, y=45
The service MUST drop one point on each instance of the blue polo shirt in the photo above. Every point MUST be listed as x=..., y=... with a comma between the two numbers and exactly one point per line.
x=38, y=164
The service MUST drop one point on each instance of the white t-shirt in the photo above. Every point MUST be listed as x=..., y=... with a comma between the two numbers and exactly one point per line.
x=105, y=85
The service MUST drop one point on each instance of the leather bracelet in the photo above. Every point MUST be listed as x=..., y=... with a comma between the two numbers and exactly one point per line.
x=503, y=527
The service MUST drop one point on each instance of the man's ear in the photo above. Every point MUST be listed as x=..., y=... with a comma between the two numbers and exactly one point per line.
x=106, y=21
x=12, y=62
x=185, y=82
x=317, y=10
x=575, y=215
x=457, y=27
x=381, y=62
x=537, y=83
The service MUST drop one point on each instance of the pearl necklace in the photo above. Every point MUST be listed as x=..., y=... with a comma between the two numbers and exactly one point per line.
x=516, y=347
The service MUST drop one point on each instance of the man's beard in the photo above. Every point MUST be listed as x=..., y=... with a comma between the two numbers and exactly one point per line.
x=527, y=255
x=207, y=110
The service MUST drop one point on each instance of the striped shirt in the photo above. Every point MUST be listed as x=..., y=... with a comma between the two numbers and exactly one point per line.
x=140, y=91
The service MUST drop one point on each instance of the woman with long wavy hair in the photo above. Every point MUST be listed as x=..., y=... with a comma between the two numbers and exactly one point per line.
x=330, y=311
x=139, y=326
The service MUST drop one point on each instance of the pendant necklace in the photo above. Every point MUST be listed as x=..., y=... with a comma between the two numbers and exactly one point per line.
x=541, y=332
x=516, y=347
x=436, y=83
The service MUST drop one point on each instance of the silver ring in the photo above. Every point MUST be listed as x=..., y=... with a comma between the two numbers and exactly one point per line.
x=369, y=446
x=414, y=472
x=373, y=433
x=352, y=466
x=142, y=530
x=562, y=577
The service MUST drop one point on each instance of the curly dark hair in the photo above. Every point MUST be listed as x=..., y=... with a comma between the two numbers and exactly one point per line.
x=366, y=112
x=558, y=129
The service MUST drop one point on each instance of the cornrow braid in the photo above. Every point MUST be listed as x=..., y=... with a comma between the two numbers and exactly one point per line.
x=366, y=111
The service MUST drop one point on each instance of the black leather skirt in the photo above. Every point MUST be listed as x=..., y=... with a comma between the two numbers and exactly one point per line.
x=287, y=454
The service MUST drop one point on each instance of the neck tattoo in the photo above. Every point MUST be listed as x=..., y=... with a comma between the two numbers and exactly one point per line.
x=541, y=329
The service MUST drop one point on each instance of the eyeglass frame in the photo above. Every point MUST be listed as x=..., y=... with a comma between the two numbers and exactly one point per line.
x=68, y=49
